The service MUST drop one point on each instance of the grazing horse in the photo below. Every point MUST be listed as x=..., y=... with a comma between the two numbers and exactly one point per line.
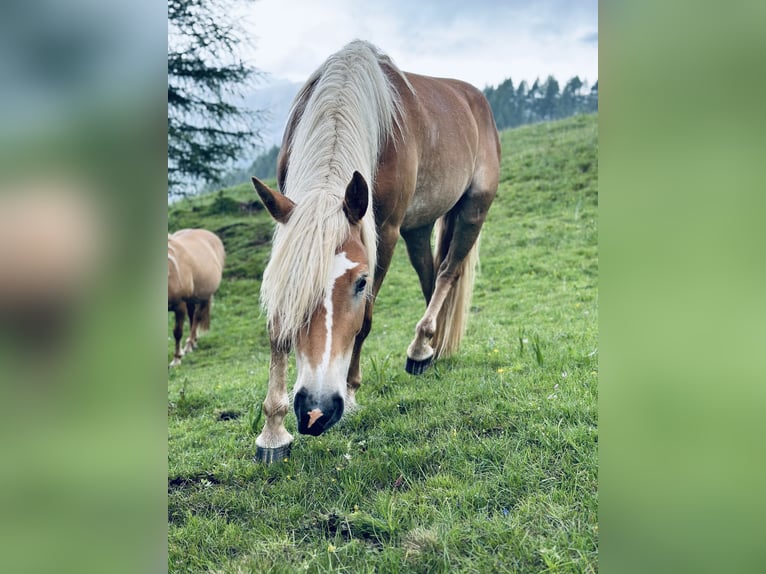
x=195, y=264
x=370, y=153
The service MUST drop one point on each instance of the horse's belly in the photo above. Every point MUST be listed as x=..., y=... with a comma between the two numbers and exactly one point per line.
x=204, y=288
x=428, y=205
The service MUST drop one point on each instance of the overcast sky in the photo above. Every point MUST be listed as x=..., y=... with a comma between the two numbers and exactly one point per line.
x=480, y=41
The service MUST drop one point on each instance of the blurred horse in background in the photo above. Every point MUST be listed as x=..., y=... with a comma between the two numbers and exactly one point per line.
x=195, y=266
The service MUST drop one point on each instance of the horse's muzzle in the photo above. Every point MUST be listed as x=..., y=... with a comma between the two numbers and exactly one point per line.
x=316, y=416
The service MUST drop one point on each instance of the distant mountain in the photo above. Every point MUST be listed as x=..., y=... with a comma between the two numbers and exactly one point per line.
x=273, y=99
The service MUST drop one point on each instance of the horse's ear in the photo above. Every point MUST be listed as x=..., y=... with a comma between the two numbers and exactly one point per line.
x=279, y=206
x=357, y=197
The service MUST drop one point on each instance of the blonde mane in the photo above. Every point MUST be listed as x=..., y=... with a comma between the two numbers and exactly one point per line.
x=347, y=108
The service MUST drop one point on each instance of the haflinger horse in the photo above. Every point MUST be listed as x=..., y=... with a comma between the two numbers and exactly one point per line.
x=195, y=265
x=369, y=153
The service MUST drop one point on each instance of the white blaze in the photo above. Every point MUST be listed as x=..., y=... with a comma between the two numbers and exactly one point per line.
x=340, y=265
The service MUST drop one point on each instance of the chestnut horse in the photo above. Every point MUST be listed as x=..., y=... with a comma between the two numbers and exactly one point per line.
x=195, y=264
x=369, y=153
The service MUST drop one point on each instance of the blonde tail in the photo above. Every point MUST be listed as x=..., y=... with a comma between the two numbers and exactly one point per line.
x=203, y=322
x=453, y=316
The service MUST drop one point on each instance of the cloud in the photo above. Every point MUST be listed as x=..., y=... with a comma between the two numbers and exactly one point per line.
x=591, y=38
x=482, y=42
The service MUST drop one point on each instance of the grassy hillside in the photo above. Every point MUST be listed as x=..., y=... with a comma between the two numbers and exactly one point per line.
x=487, y=463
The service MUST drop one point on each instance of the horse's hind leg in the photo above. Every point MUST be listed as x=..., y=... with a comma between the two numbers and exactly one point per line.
x=191, y=341
x=460, y=231
x=178, y=332
x=418, y=242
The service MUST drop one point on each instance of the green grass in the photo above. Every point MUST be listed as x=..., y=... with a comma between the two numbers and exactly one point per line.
x=486, y=463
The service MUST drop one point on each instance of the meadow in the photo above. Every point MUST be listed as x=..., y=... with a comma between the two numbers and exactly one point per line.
x=486, y=463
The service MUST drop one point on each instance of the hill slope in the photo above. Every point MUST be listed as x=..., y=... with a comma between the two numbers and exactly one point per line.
x=488, y=462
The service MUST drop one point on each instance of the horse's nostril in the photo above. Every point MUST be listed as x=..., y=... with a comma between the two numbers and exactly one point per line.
x=337, y=403
x=317, y=415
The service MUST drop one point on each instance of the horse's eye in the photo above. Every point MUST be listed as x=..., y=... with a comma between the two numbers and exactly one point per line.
x=360, y=284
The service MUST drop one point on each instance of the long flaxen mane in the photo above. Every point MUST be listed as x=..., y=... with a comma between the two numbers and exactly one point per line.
x=344, y=113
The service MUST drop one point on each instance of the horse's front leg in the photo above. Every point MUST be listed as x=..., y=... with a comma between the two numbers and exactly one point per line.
x=191, y=341
x=178, y=333
x=354, y=379
x=274, y=441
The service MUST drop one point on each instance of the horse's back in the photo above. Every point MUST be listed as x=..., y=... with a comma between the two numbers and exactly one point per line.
x=452, y=121
x=200, y=254
x=450, y=144
x=446, y=143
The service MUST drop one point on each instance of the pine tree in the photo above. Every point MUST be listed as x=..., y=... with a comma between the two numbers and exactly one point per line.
x=549, y=101
x=205, y=129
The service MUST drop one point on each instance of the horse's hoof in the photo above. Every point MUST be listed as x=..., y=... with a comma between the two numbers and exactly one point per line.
x=272, y=455
x=414, y=367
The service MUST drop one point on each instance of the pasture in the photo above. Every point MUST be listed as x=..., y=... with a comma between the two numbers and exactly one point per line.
x=485, y=463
